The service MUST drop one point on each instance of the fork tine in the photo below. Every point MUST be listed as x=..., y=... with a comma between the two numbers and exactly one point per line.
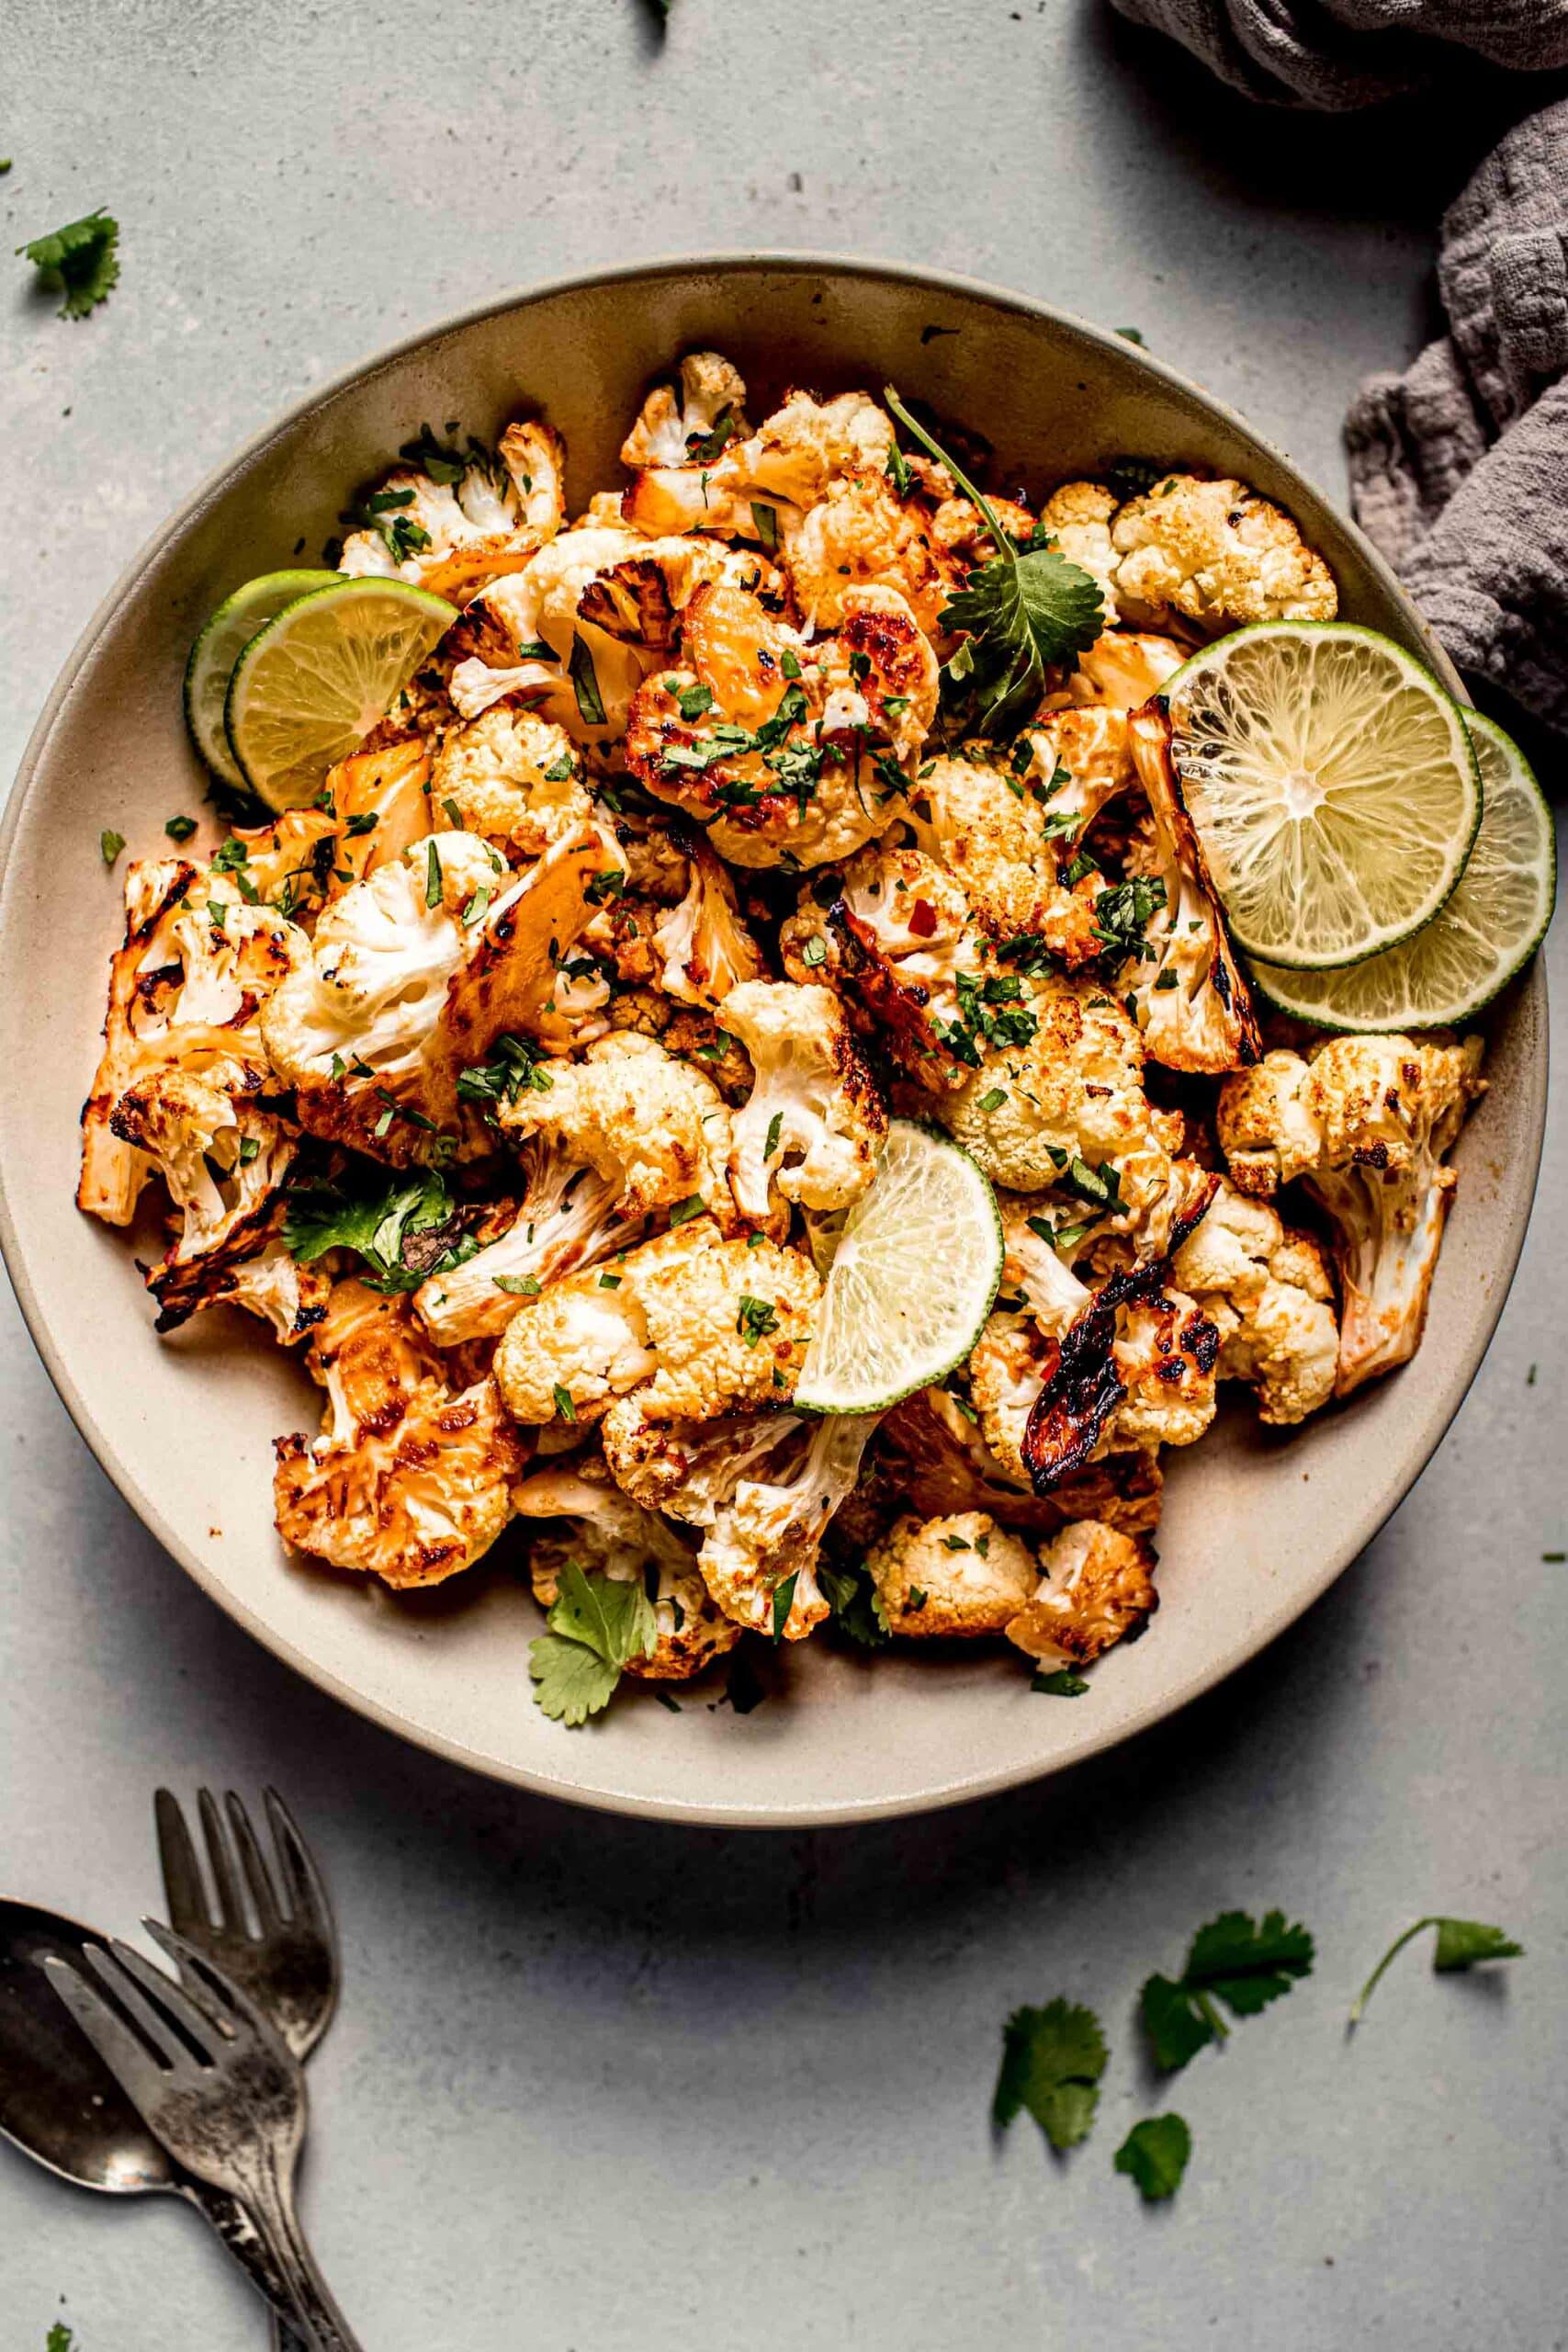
x=146, y=2016
x=230, y=1909
x=252, y=1863
x=126, y=2058
x=226, y=2009
x=194, y=2021
x=308, y=1903
x=183, y=1889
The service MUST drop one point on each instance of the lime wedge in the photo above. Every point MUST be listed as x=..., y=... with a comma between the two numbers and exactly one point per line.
x=1492, y=923
x=912, y=1279
x=1333, y=784
x=219, y=645
x=308, y=690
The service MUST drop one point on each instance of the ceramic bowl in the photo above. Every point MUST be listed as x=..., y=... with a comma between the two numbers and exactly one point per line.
x=1255, y=1526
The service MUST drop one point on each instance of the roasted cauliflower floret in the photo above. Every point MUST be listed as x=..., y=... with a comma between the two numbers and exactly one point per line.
x=1269, y=1293
x=653, y=1127
x=570, y=1217
x=861, y=534
x=273, y=1284
x=710, y=405
x=1000, y=844
x=1097, y=1588
x=1081, y=764
x=410, y=1480
x=1072, y=1106
x=452, y=518
x=788, y=463
x=1384, y=1112
x=1217, y=555
x=815, y=1124
x=222, y=1159
x=942, y=1576
x=511, y=779
x=706, y=947
x=1078, y=517
x=1166, y=1356
x=759, y=1553
x=697, y=1325
x=601, y=1528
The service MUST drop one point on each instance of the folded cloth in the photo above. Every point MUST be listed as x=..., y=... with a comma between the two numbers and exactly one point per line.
x=1459, y=469
x=1340, y=54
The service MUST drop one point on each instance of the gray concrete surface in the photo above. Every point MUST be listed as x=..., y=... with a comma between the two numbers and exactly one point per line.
x=598, y=2085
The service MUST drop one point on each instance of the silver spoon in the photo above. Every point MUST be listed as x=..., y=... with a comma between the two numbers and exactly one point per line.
x=60, y=2104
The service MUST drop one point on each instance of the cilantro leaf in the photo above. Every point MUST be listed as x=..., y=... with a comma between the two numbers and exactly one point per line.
x=1021, y=615
x=60, y=2337
x=596, y=1623
x=1461, y=1944
x=1245, y=1963
x=81, y=261
x=401, y=1222
x=1154, y=2154
x=856, y=1605
x=1063, y=1684
x=1052, y=2062
x=109, y=845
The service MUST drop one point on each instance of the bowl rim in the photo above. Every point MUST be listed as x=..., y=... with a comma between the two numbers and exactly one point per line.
x=1362, y=1525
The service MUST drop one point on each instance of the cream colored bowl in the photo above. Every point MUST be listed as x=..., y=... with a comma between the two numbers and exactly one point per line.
x=1255, y=1526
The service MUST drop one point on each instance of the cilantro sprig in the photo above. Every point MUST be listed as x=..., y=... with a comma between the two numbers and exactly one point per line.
x=1244, y=1963
x=1460, y=1943
x=80, y=261
x=1052, y=2062
x=597, y=1624
x=1021, y=614
x=403, y=1223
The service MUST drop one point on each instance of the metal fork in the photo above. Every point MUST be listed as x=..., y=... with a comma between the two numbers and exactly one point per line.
x=213, y=2082
x=289, y=1964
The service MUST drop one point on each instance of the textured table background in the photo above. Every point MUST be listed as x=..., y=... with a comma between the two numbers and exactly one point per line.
x=594, y=2085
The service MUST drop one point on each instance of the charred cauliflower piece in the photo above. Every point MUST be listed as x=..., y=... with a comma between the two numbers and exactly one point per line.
x=570, y=1217
x=760, y=1553
x=1215, y=554
x=1001, y=844
x=410, y=1480
x=601, y=1528
x=1384, y=1112
x=963, y=1575
x=652, y=1126
x=898, y=935
x=222, y=1159
x=788, y=463
x=1097, y=1588
x=704, y=945
x=695, y=1325
x=511, y=779
x=453, y=518
x=813, y=1125
x=708, y=406
x=1269, y=1293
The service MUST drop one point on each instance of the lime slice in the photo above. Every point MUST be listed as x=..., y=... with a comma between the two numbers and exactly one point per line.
x=219, y=645
x=912, y=1279
x=308, y=690
x=1492, y=923
x=1332, y=782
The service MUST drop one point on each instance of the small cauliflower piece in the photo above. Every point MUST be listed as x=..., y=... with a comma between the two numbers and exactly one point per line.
x=1071, y=1093
x=859, y=533
x=962, y=1574
x=1003, y=848
x=1009, y=1366
x=933, y=1455
x=900, y=938
x=813, y=1125
x=710, y=401
x=1166, y=1357
x=1217, y=555
x=1081, y=764
x=1193, y=1007
x=1120, y=671
x=223, y=1159
x=410, y=1479
x=1384, y=1111
x=273, y=1284
x=569, y=1218
x=788, y=463
x=1267, y=1291
x=600, y=1528
x=1097, y=1588
x=759, y=1556
x=697, y=1325
x=1077, y=516
x=652, y=1126
x=451, y=529
x=704, y=942
x=512, y=780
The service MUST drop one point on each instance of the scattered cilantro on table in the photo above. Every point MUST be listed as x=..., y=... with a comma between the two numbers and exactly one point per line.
x=1052, y=2062
x=1020, y=614
x=596, y=1623
x=60, y=2338
x=1461, y=1944
x=1243, y=1962
x=1154, y=2154
x=80, y=261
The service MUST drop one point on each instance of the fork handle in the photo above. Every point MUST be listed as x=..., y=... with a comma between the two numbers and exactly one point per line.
x=267, y=2202
x=239, y=2234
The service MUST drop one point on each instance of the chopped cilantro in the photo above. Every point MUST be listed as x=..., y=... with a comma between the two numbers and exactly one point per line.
x=564, y=1406
x=856, y=1605
x=1059, y=1685
x=1130, y=334
x=1052, y=2062
x=218, y=912
x=109, y=845
x=1235, y=1959
x=757, y=1319
x=917, y=1600
x=511, y=1070
x=368, y=818
x=784, y=1602
x=765, y=520
x=534, y=648
x=585, y=684
x=1123, y=914
x=898, y=471
x=814, y=951
x=993, y=1100
x=775, y=1129
x=789, y=663
x=693, y=701
x=80, y=261
x=518, y=1286
x=180, y=828
x=693, y=1205
x=1155, y=2151
x=1461, y=1944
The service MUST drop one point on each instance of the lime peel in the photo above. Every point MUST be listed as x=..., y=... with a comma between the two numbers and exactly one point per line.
x=213, y=658
x=917, y=1267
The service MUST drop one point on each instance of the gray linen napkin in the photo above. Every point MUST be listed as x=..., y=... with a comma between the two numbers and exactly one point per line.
x=1458, y=467
x=1336, y=53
